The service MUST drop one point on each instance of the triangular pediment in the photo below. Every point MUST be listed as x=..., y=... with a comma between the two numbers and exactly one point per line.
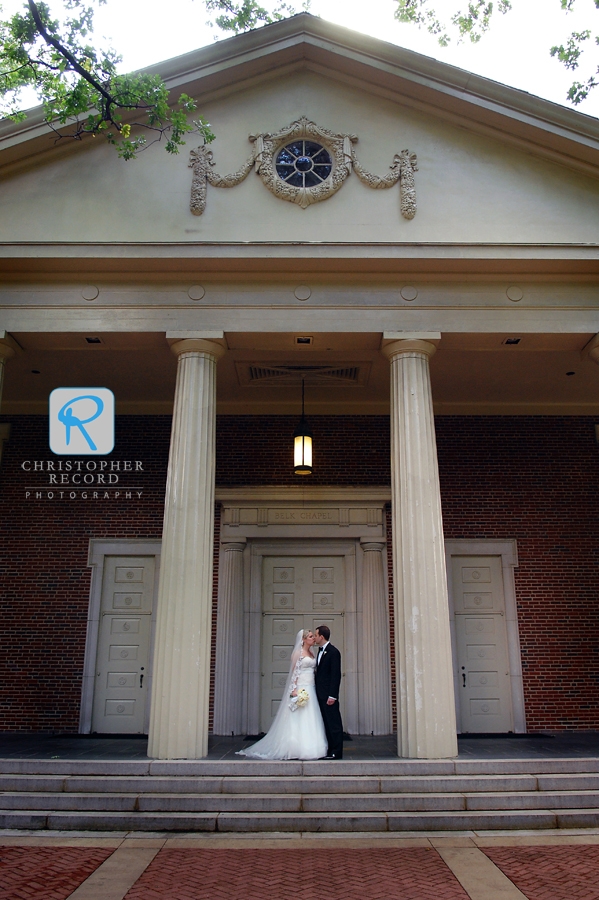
x=419, y=82
x=420, y=155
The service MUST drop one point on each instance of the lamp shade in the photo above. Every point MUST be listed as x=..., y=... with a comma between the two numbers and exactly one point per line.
x=302, y=448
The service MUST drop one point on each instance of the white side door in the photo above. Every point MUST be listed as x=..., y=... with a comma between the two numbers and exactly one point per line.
x=297, y=592
x=483, y=670
x=122, y=662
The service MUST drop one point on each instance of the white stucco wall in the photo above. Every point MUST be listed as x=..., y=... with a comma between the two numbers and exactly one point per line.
x=469, y=188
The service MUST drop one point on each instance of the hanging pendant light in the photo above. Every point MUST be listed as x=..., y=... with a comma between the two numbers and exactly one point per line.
x=302, y=445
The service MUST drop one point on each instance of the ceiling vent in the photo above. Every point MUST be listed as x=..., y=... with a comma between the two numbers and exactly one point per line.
x=256, y=373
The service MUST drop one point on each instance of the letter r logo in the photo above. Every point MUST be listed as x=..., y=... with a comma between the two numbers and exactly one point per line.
x=81, y=421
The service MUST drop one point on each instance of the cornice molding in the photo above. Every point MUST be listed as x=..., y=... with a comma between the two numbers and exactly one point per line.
x=304, y=39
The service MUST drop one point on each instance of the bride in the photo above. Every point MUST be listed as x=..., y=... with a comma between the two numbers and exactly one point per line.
x=297, y=731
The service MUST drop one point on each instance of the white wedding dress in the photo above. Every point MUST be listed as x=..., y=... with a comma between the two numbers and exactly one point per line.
x=295, y=733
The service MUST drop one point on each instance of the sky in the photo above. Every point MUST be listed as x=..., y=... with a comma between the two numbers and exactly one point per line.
x=514, y=52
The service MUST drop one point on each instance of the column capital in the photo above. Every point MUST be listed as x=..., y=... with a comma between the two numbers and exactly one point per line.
x=372, y=545
x=199, y=345
x=239, y=544
x=395, y=343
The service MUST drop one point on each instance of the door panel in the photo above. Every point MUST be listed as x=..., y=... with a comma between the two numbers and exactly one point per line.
x=484, y=683
x=297, y=592
x=120, y=692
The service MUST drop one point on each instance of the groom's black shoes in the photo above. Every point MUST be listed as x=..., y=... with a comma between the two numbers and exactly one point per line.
x=333, y=757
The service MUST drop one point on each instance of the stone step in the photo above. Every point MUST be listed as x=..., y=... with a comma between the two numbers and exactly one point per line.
x=533, y=800
x=346, y=768
x=299, y=821
x=297, y=803
x=282, y=784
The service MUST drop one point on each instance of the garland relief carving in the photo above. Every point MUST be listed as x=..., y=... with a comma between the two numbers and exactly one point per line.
x=304, y=164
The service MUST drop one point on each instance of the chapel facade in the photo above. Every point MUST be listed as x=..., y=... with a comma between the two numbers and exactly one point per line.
x=399, y=253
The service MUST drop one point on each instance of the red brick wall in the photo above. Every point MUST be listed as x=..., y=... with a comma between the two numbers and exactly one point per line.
x=253, y=450
x=530, y=478
x=44, y=578
x=536, y=479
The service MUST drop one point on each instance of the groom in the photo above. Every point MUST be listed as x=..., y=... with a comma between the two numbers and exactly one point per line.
x=328, y=680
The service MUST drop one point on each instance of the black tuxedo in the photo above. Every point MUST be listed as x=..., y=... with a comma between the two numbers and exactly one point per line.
x=328, y=681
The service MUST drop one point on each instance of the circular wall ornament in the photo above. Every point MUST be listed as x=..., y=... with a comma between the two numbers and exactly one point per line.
x=303, y=163
x=90, y=292
x=409, y=292
x=196, y=292
x=514, y=294
x=303, y=292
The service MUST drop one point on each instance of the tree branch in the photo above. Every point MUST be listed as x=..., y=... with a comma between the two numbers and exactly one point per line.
x=53, y=42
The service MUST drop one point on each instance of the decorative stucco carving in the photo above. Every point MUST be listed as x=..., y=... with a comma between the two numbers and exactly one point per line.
x=201, y=161
x=265, y=149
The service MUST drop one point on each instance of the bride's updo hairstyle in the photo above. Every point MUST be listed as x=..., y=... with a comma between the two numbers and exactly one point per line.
x=305, y=633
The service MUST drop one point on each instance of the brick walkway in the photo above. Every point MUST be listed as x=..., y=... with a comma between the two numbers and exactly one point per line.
x=46, y=873
x=539, y=867
x=550, y=873
x=373, y=874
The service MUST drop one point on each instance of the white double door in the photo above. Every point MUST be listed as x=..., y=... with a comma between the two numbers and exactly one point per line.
x=297, y=592
x=123, y=654
x=482, y=661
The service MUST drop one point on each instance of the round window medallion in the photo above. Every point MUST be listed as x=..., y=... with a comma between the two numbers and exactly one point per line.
x=304, y=164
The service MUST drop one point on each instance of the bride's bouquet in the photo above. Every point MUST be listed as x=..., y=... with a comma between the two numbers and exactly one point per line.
x=300, y=700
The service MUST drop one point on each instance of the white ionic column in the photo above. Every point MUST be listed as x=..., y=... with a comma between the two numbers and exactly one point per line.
x=425, y=698
x=375, y=691
x=228, y=681
x=181, y=677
